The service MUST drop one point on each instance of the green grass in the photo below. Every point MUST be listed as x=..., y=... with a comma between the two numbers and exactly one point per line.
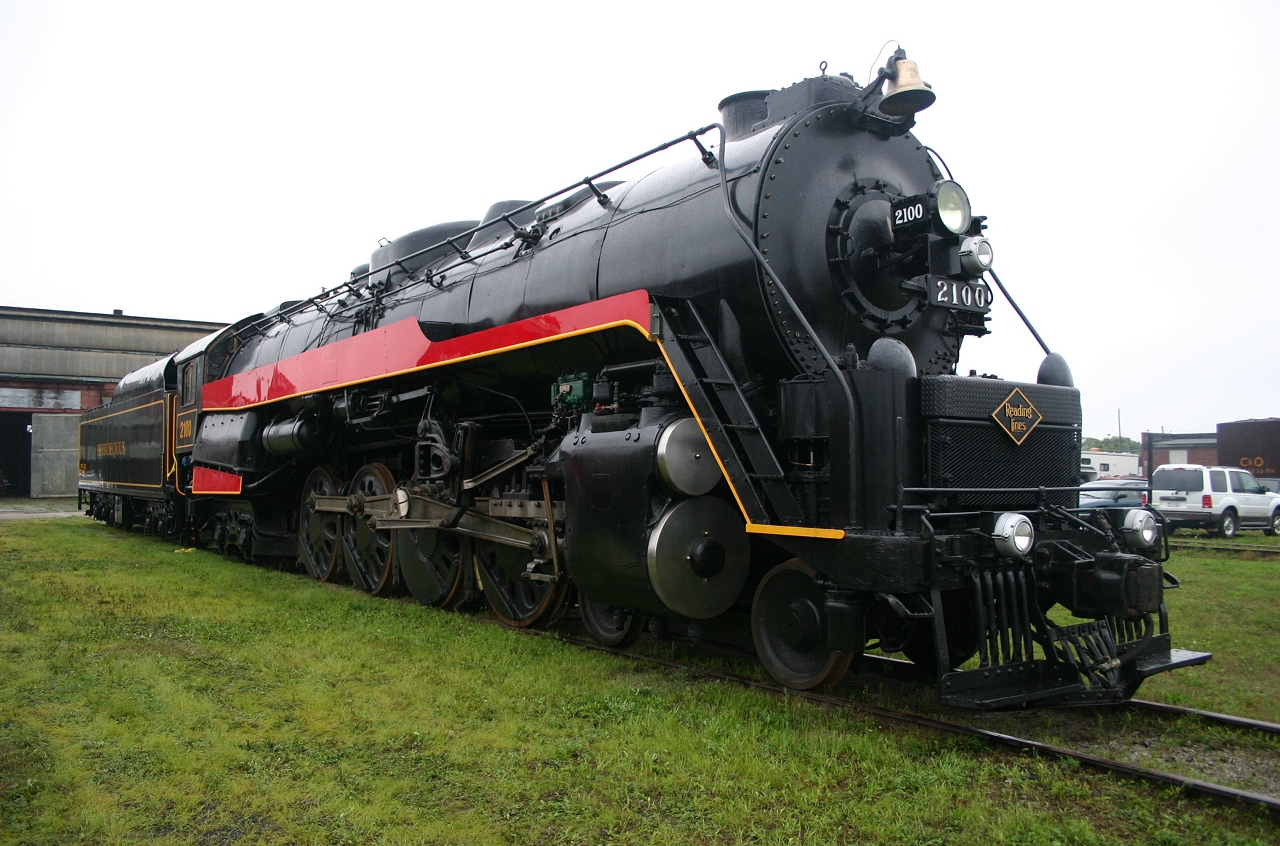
x=151, y=695
x=1229, y=606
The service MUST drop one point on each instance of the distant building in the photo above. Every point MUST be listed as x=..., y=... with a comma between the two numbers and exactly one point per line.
x=1094, y=464
x=1251, y=444
x=1173, y=448
x=53, y=365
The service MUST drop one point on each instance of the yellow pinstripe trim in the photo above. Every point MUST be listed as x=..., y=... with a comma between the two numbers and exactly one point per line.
x=125, y=411
x=80, y=442
x=172, y=433
x=603, y=326
x=119, y=485
x=753, y=528
x=698, y=419
x=795, y=531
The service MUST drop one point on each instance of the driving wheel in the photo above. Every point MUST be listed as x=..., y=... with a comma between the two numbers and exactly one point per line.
x=609, y=625
x=318, y=548
x=431, y=565
x=368, y=551
x=789, y=628
x=515, y=598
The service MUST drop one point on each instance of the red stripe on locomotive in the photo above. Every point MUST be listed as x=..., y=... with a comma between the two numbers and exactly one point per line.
x=205, y=480
x=401, y=347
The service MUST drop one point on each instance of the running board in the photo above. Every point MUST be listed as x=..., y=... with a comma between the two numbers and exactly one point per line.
x=1150, y=663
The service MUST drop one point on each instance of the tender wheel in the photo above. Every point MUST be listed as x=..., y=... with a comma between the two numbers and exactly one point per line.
x=962, y=634
x=1227, y=524
x=366, y=551
x=318, y=549
x=516, y=600
x=609, y=625
x=789, y=629
x=1273, y=528
x=432, y=565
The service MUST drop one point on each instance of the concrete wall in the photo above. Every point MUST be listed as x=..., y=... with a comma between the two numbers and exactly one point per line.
x=1175, y=448
x=55, y=459
x=41, y=343
x=68, y=361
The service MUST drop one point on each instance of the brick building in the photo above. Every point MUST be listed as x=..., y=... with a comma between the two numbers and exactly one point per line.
x=1174, y=448
x=53, y=365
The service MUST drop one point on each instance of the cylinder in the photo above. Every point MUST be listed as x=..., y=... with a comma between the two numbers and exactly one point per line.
x=294, y=436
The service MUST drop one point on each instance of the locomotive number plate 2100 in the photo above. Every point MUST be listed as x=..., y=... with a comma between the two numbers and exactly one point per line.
x=969, y=295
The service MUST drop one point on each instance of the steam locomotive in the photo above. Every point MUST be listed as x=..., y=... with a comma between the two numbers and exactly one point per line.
x=718, y=402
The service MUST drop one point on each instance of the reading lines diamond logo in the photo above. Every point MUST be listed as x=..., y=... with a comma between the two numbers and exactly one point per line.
x=1017, y=416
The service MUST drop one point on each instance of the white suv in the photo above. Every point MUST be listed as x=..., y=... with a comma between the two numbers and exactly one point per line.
x=1220, y=499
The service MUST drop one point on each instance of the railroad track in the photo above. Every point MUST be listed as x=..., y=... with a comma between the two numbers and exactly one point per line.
x=1222, y=547
x=1260, y=726
x=1190, y=786
x=1160, y=708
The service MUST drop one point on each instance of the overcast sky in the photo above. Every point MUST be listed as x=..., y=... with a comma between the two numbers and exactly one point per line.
x=208, y=161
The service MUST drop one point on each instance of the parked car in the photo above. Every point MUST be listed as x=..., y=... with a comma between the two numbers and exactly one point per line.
x=1097, y=495
x=1222, y=500
x=1272, y=485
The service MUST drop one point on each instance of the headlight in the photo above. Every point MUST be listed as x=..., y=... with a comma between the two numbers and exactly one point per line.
x=975, y=255
x=1013, y=535
x=951, y=207
x=1140, y=528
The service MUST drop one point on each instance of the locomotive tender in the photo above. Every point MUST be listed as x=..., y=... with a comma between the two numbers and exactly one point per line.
x=719, y=401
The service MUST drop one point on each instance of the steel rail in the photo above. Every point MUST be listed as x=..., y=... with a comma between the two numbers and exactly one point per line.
x=1229, y=720
x=1190, y=786
x=1221, y=547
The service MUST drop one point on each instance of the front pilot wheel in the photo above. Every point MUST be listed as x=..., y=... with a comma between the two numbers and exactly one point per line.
x=789, y=627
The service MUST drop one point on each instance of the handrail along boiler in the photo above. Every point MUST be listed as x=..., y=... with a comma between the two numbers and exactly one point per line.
x=719, y=401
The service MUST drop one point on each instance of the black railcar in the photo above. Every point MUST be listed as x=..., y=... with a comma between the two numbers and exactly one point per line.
x=126, y=457
x=719, y=401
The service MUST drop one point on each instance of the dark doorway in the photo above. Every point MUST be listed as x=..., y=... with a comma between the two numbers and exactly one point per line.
x=15, y=452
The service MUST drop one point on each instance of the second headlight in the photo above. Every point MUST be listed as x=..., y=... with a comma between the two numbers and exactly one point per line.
x=1013, y=535
x=1140, y=528
x=976, y=255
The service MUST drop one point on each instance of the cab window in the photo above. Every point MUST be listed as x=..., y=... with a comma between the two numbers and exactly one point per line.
x=187, y=393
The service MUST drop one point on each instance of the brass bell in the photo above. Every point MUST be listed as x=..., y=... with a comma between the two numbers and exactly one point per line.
x=907, y=93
